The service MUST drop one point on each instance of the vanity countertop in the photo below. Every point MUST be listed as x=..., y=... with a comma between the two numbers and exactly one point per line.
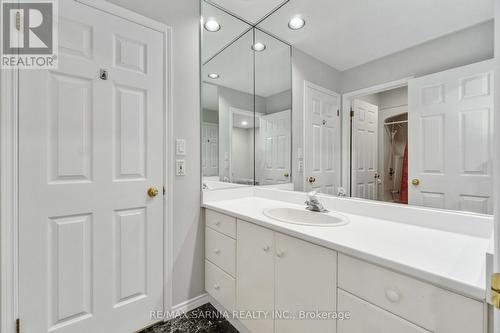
x=453, y=261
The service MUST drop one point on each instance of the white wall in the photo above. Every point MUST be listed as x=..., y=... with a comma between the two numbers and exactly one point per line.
x=242, y=153
x=306, y=68
x=189, y=231
x=462, y=48
x=279, y=102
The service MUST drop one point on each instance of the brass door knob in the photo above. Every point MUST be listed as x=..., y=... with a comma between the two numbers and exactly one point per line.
x=415, y=181
x=152, y=192
x=312, y=179
x=286, y=174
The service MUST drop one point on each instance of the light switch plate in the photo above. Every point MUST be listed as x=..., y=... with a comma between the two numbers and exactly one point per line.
x=180, y=167
x=180, y=146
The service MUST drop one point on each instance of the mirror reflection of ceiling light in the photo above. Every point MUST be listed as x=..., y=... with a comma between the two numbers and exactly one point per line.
x=259, y=47
x=244, y=123
x=214, y=76
x=296, y=23
x=212, y=25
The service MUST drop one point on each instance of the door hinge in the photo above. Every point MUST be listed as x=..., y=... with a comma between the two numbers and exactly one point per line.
x=164, y=191
x=18, y=21
x=18, y=325
x=495, y=290
x=338, y=113
x=352, y=113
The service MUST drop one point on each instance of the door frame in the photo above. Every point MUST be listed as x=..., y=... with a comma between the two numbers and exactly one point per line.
x=9, y=178
x=308, y=84
x=347, y=99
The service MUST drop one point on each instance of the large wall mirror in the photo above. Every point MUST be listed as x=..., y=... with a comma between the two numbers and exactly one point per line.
x=389, y=101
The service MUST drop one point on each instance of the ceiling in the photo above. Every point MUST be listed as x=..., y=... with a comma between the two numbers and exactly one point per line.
x=249, y=10
x=349, y=33
x=235, y=66
x=231, y=28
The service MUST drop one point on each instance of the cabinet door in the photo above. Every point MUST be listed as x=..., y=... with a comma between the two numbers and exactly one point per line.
x=305, y=282
x=255, y=275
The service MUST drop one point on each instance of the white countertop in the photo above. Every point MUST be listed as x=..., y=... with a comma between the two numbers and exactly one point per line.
x=453, y=261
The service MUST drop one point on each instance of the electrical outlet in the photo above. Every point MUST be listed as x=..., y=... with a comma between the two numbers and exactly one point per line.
x=180, y=146
x=180, y=167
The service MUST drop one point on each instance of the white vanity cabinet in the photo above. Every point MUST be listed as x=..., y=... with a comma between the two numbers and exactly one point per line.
x=285, y=276
x=277, y=275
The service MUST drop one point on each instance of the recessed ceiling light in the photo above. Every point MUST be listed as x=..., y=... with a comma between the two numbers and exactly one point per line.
x=212, y=25
x=244, y=123
x=296, y=23
x=259, y=47
x=214, y=76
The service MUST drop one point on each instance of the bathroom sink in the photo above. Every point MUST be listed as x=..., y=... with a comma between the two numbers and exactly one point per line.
x=305, y=217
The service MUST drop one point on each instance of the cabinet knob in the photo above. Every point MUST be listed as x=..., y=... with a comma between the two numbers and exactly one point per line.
x=392, y=295
x=280, y=254
x=266, y=248
x=216, y=287
x=216, y=251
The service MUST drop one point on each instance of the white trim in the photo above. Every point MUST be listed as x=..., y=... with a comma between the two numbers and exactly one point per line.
x=308, y=84
x=190, y=304
x=134, y=17
x=346, y=119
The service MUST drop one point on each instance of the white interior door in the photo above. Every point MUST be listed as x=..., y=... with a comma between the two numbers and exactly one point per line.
x=321, y=139
x=275, y=134
x=210, y=149
x=364, y=182
x=450, y=139
x=91, y=239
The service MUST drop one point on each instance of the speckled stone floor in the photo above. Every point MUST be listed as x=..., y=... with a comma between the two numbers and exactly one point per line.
x=205, y=319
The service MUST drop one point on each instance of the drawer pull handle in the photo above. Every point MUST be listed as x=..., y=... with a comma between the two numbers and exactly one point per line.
x=266, y=248
x=392, y=295
x=280, y=254
x=216, y=287
x=216, y=251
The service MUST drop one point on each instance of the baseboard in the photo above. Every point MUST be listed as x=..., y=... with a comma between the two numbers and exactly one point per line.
x=190, y=304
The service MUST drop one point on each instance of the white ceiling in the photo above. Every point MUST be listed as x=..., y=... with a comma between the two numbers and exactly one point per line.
x=249, y=10
x=231, y=28
x=238, y=120
x=349, y=33
x=235, y=66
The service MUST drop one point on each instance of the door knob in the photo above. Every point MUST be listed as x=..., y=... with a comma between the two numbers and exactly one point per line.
x=312, y=179
x=415, y=181
x=152, y=192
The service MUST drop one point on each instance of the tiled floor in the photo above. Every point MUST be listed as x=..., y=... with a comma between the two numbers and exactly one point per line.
x=205, y=319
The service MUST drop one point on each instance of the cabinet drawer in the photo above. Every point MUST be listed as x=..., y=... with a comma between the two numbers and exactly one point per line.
x=366, y=317
x=430, y=307
x=220, y=222
x=220, y=285
x=221, y=250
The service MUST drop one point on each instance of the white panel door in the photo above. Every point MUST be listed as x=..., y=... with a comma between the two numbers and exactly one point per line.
x=255, y=275
x=364, y=154
x=450, y=139
x=275, y=134
x=210, y=149
x=91, y=240
x=305, y=281
x=321, y=139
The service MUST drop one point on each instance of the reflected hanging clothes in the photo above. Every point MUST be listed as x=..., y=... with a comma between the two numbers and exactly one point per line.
x=403, y=193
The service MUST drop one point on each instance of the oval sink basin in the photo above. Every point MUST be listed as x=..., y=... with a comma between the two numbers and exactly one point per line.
x=305, y=217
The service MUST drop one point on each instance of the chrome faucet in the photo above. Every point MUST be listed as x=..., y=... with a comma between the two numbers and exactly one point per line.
x=313, y=203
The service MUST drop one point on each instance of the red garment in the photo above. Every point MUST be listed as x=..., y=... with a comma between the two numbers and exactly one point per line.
x=403, y=192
